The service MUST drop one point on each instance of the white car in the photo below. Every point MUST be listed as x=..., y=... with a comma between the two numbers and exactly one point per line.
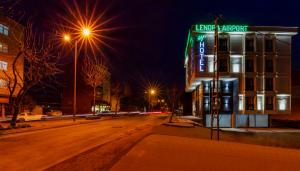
x=25, y=116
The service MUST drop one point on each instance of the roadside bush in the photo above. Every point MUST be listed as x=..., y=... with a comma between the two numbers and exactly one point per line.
x=93, y=117
x=24, y=125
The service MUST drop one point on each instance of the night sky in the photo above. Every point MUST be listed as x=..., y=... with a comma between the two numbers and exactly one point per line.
x=153, y=33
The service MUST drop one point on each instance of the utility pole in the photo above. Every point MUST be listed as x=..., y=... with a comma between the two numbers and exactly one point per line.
x=215, y=86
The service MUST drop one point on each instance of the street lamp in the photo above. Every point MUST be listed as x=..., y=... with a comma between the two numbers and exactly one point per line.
x=85, y=33
x=151, y=92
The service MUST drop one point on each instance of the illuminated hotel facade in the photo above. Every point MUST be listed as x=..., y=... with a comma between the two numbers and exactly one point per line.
x=254, y=65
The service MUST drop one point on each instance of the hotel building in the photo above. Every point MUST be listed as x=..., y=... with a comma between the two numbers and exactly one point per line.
x=254, y=65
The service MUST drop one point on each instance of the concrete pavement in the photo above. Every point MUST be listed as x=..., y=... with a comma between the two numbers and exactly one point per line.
x=171, y=153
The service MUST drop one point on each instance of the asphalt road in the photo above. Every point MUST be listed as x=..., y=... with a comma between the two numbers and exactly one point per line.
x=39, y=150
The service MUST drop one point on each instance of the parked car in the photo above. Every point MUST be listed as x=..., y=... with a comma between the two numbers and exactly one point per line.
x=54, y=113
x=26, y=116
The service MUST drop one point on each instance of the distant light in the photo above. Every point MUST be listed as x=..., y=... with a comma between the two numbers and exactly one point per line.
x=67, y=38
x=152, y=91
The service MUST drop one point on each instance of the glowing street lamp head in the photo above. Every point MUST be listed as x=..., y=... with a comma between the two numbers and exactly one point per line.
x=66, y=37
x=86, y=32
x=152, y=91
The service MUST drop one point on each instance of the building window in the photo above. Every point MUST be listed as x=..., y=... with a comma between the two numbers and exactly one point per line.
x=206, y=87
x=269, y=103
x=226, y=101
x=269, y=65
x=269, y=47
x=249, y=65
x=206, y=104
x=249, y=103
x=3, y=83
x=282, y=102
x=236, y=65
x=223, y=67
x=210, y=65
x=269, y=84
x=249, y=44
x=3, y=47
x=3, y=29
x=3, y=65
x=260, y=102
x=223, y=44
x=226, y=87
x=241, y=102
x=249, y=84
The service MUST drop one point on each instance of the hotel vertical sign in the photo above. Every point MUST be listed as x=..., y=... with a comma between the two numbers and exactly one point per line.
x=201, y=53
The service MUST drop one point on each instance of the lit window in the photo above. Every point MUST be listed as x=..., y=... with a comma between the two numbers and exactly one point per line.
x=235, y=65
x=260, y=102
x=206, y=87
x=235, y=68
x=4, y=29
x=226, y=101
x=3, y=65
x=282, y=102
x=3, y=47
x=206, y=103
x=210, y=65
x=241, y=102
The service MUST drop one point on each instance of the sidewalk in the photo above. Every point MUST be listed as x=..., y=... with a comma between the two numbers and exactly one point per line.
x=179, y=121
x=261, y=130
x=171, y=153
x=40, y=125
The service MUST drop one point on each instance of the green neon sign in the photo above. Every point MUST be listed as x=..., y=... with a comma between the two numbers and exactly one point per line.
x=221, y=28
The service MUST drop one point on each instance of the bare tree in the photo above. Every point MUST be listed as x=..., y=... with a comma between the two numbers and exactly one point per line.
x=94, y=73
x=172, y=97
x=117, y=93
x=40, y=61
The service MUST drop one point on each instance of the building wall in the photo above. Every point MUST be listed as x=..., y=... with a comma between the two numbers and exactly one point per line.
x=238, y=60
x=9, y=42
x=84, y=93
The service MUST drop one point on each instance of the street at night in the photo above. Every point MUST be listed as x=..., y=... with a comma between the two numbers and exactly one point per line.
x=158, y=85
x=41, y=149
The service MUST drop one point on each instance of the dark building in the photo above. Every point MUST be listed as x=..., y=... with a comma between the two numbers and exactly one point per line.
x=84, y=94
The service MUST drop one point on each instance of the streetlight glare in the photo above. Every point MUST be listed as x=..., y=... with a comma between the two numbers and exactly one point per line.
x=152, y=91
x=86, y=31
x=67, y=37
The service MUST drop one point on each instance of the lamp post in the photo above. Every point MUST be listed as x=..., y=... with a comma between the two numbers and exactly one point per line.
x=85, y=33
x=151, y=92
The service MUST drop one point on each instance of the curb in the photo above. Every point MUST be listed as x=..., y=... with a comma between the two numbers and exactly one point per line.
x=45, y=128
x=179, y=125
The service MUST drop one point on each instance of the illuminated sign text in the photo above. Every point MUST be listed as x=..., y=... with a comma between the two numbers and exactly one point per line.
x=221, y=28
x=200, y=38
